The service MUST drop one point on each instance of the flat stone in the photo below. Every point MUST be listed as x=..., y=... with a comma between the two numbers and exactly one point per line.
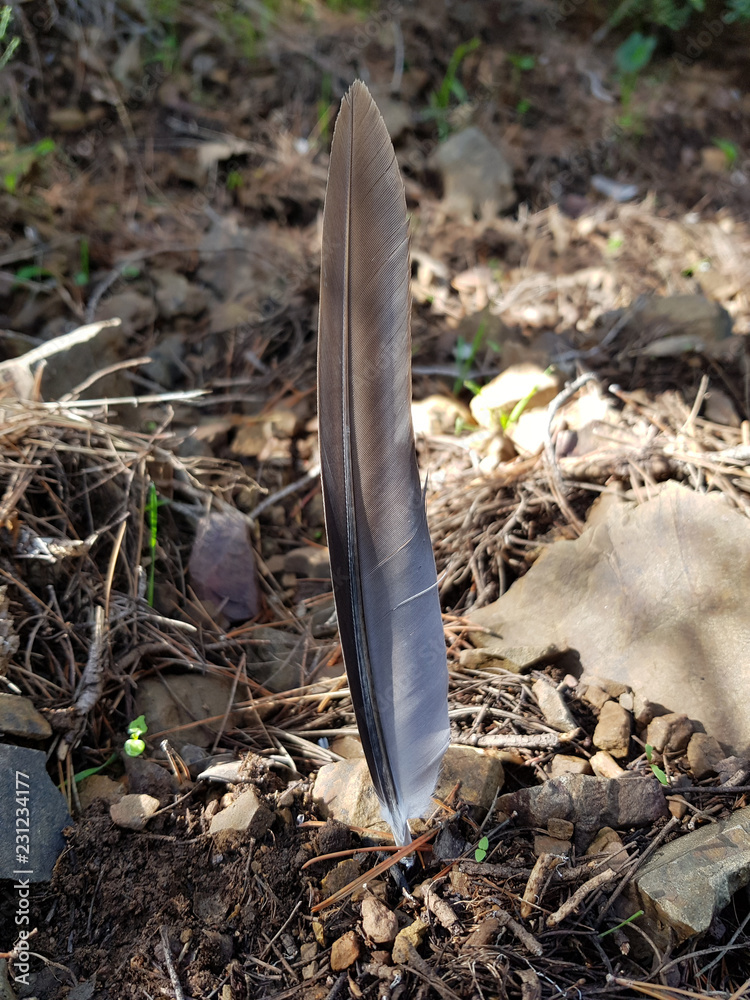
x=19, y=718
x=595, y=696
x=563, y=829
x=343, y=790
x=516, y=659
x=544, y=844
x=177, y=704
x=669, y=733
x=133, y=811
x=345, y=951
x=604, y=838
x=642, y=620
x=98, y=786
x=687, y=882
x=563, y=763
x=378, y=922
x=604, y=765
x=346, y=871
x=33, y=815
x=246, y=814
x=703, y=754
x=612, y=732
x=146, y=777
x=588, y=802
x=407, y=939
x=308, y=561
x=554, y=709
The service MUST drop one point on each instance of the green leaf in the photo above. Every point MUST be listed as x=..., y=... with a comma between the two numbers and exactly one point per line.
x=138, y=726
x=481, y=849
x=635, y=53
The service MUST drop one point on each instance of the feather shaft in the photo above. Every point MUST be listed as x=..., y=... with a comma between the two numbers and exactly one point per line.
x=382, y=564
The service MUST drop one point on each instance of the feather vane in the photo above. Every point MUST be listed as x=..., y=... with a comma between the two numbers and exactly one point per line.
x=382, y=563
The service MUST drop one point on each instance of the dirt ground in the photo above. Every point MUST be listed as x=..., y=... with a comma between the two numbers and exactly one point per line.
x=189, y=160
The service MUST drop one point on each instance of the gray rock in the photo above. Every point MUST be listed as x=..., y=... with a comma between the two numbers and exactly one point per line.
x=177, y=702
x=588, y=802
x=247, y=814
x=133, y=811
x=309, y=562
x=647, y=596
x=33, y=815
x=669, y=732
x=556, y=713
x=689, y=881
x=477, y=178
x=146, y=777
x=612, y=731
x=166, y=361
x=703, y=754
x=19, y=718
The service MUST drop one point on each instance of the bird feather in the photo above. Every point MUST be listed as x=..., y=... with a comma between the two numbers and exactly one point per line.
x=382, y=563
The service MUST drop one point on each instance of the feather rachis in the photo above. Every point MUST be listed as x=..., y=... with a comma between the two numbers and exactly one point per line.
x=382, y=564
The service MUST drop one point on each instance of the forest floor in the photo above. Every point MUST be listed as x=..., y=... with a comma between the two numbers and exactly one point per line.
x=168, y=169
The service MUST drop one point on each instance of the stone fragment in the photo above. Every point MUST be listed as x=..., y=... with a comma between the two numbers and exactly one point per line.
x=669, y=733
x=498, y=398
x=19, y=718
x=703, y=754
x=439, y=415
x=554, y=709
x=477, y=177
x=595, y=696
x=588, y=802
x=563, y=829
x=614, y=688
x=346, y=871
x=643, y=709
x=563, y=763
x=719, y=408
x=345, y=951
x=31, y=807
x=146, y=777
x=687, y=882
x=677, y=806
x=99, y=787
x=222, y=566
x=308, y=561
x=604, y=765
x=246, y=814
x=604, y=838
x=612, y=732
x=133, y=811
x=543, y=844
x=178, y=702
x=343, y=790
x=516, y=659
x=407, y=939
x=378, y=922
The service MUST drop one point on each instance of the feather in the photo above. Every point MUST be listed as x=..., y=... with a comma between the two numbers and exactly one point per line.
x=382, y=563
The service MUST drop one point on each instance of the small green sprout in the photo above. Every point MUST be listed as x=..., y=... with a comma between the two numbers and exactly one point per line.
x=623, y=923
x=152, y=510
x=80, y=775
x=482, y=847
x=135, y=746
x=658, y=773
x=730, y=151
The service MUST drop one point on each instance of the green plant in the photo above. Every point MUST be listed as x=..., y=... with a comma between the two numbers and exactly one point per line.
x=623, y=923
x=451, y=87
x=80, y=775
x=16, y=164
x=730, y=151
x=6, y=13
x=509, y=419
x=465, y=353
x=234, y=180
x=152, y=512
x=631, y=58
x=481, y=849
x=135, y=746
x=657, y=771
x=84, y=273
